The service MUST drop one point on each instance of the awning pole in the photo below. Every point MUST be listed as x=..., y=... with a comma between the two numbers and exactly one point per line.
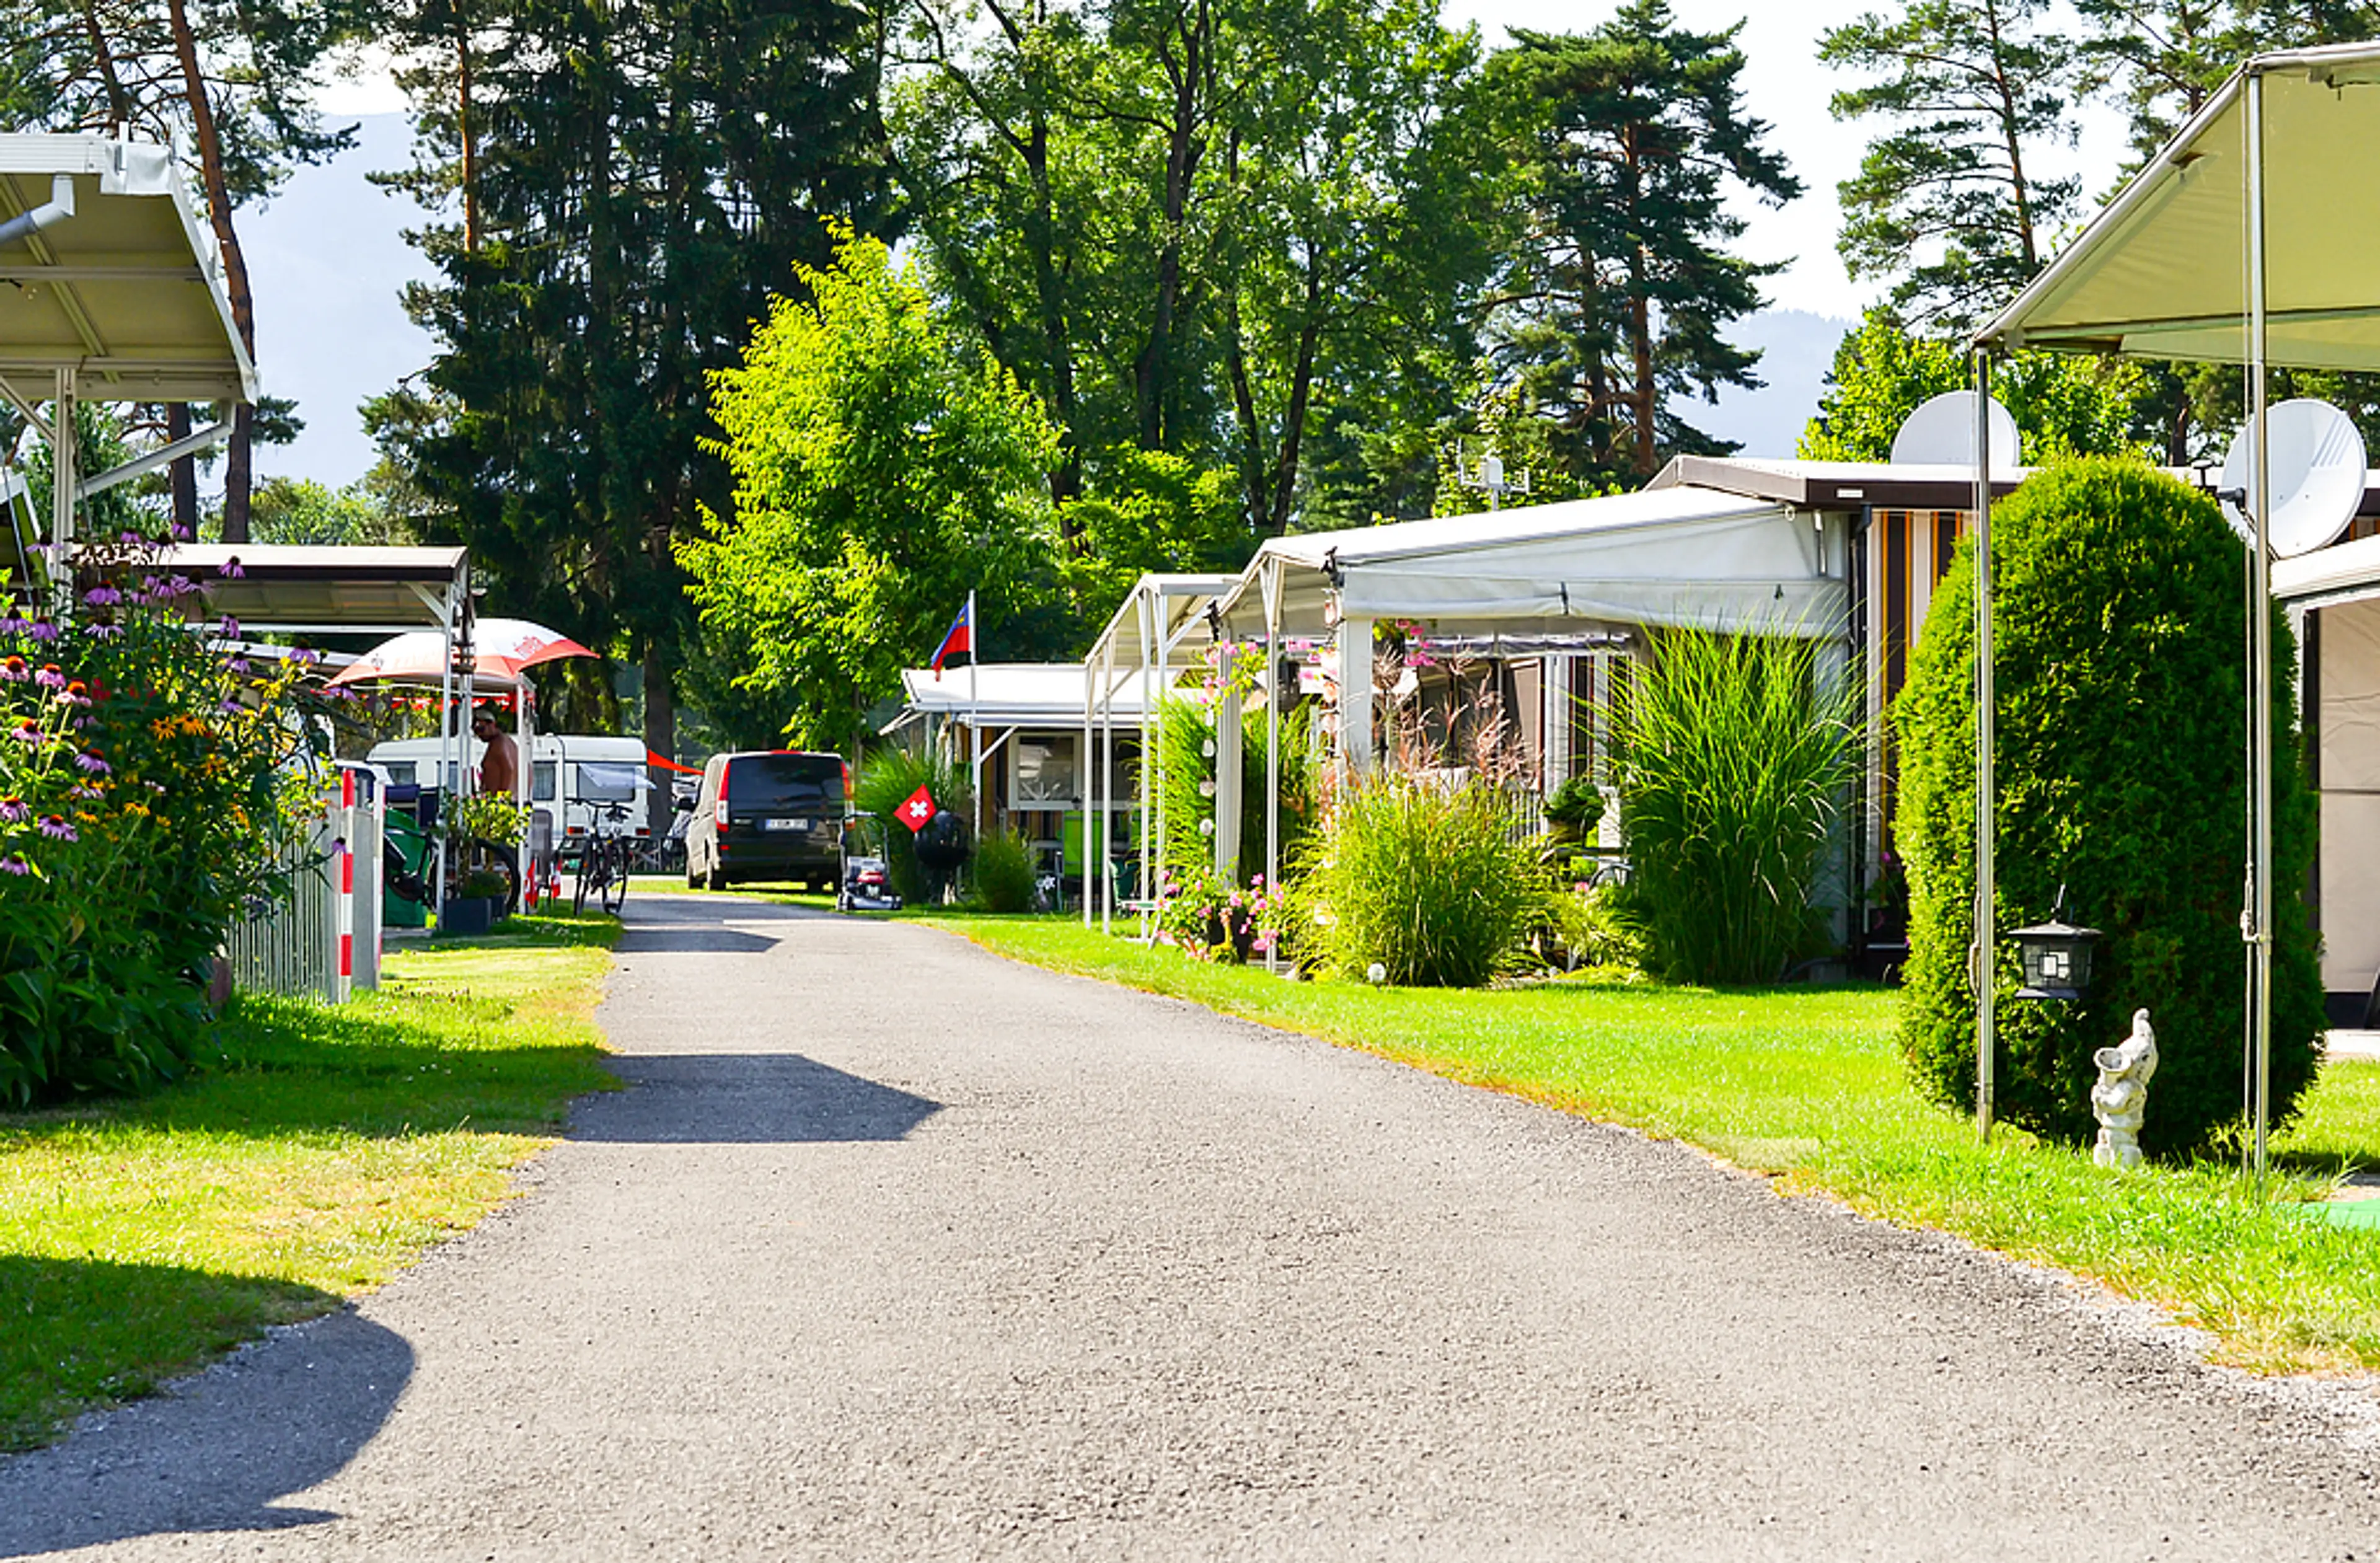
x=1152, y=789
x=2259, y=654
x=1981, y=967
x=65, y=461
x=1088, y=758
x=1100, y=845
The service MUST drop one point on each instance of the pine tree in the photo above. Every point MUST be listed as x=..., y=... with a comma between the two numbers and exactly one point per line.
x=1623, y=289
x=1950, y=204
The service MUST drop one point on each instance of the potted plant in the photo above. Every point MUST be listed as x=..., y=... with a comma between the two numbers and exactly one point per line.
x=476, y=906
x=1571, y=815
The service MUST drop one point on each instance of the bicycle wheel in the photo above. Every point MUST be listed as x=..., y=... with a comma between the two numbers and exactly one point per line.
x=498, y=858
x=589, y=866
x=615, y=886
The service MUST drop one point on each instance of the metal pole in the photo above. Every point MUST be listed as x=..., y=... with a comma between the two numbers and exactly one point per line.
x=1270, y=579
x=1106, y=773
x=974, y=718
x=1152, y=789
x=65, y=462
x=1088, y=754
x=1979, y=962
x=2260, y=650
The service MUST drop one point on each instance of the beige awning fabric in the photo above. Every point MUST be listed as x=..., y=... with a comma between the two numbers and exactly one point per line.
x=127, y=292
x=2160, y=273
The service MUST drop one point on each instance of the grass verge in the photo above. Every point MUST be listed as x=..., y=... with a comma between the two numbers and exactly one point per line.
x=325, y=1150
x=1806, y=1086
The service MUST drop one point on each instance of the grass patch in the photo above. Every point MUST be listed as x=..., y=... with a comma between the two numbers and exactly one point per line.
x=1806, y=1086
x=321, y=1153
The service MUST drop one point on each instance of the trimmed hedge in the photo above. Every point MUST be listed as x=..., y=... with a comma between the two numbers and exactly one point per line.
x=2118, y=627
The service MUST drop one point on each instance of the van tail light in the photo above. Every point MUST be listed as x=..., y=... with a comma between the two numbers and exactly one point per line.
x=726, y=774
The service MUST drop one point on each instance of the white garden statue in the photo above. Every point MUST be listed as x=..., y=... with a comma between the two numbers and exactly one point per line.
x=2120, y=1101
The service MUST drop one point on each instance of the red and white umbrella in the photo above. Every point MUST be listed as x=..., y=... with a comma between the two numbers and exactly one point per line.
x=504, y=647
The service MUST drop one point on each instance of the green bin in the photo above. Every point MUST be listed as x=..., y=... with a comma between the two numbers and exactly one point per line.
x=401, y=831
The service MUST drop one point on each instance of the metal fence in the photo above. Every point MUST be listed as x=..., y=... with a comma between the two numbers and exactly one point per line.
x=322, y=937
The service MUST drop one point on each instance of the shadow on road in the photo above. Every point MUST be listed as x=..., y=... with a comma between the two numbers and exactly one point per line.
x=744, y=1098
x=697, y=938
x=217, y=1453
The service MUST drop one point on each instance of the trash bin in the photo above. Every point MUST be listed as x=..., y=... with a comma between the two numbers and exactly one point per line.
x=404, y=832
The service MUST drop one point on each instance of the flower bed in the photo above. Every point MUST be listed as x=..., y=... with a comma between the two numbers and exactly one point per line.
x=146, y=781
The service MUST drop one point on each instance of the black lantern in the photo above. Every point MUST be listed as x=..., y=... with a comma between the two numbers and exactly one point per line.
x=2056, y=956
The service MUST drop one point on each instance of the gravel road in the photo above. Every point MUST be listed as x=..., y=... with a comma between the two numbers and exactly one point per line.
x=898, y=1251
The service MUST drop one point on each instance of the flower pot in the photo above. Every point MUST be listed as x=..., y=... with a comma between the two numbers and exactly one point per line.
x=465, y=915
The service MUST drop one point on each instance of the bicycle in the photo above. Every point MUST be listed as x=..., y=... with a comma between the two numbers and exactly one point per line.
x=604, y=861
x=415, y=878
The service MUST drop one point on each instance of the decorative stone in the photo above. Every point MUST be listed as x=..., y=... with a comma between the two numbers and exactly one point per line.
x=2120, y=1101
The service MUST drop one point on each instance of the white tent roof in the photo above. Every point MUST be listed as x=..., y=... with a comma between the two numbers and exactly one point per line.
x=127, y=292
x=2159, y=274
x=1676, y=555
x=1015, y=693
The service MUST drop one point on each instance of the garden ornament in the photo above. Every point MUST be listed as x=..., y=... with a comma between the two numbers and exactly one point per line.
x=2120, y=1101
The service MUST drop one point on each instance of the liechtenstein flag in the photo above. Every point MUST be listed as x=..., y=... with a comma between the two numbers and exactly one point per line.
x=960, y=638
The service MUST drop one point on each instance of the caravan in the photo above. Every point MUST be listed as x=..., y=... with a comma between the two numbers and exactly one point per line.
x=571, y=776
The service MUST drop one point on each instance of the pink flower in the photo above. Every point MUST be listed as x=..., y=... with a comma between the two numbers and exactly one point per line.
x=43, y=631
x=14, y=810
x=231, y=568
x=15, y=864
x=91, y=762
x=50, y=677
x=29, y=734
x=103, y=597
x=13, y=670
x=54, y=826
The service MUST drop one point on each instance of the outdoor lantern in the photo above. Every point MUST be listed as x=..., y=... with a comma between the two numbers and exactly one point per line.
x=2056, y=956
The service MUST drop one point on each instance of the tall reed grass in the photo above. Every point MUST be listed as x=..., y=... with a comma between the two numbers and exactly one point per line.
x=1732, y=763
x=887, y=777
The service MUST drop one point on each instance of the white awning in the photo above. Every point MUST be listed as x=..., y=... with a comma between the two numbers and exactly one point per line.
x=1679, y=555
x=1016, y=695
x=127, y=292
x=2159, y=274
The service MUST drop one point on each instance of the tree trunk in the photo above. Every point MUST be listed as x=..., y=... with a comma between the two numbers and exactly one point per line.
x=185, y=473
x=661, y=733
x=243, y=308
x=1640, y=334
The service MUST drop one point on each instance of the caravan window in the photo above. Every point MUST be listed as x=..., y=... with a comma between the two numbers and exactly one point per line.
x=541, y=785
x=400, y=774
x=613, y=782
x=1046, y=773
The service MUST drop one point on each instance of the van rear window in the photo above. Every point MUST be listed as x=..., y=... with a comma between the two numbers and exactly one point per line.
x=785, y=781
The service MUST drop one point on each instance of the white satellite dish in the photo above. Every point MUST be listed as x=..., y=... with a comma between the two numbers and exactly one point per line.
x=2317, y=482
x=1942, y=433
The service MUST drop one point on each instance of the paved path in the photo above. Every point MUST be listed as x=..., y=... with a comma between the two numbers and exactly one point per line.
x=896, y=1251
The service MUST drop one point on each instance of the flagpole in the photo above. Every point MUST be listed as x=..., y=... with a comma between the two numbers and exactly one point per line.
x=975, y=717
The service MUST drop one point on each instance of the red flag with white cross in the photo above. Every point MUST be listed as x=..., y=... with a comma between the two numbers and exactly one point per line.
x=917, y=809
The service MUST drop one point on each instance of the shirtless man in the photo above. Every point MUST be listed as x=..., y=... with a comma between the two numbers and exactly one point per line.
x=500, y=767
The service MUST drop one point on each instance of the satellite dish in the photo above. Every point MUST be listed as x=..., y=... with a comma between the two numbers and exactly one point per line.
x=1942, y=433
x=2317, y=481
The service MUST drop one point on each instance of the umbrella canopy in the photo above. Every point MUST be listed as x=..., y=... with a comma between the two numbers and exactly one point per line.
x=504, y=647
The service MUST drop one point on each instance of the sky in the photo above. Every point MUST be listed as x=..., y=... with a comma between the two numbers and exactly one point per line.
x=327, y=257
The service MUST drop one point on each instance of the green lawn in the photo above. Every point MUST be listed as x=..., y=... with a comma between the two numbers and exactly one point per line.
x=323, y=1152
x=1805, y=1085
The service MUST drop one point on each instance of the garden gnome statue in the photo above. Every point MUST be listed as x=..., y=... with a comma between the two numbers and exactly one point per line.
x=2120, y=1101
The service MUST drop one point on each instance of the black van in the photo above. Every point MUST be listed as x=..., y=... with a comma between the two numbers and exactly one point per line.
x=768, y=814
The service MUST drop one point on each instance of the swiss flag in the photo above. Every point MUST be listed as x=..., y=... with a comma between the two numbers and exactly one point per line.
x=917, y=809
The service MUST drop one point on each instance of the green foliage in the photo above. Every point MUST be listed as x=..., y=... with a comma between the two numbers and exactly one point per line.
x=881, y=473
x=299, y=510
x=1428, y=881
x=2063, y=406
x=1214, y=919
x=1635, y=137
x=2118, y=633
x=1149, y=512
x=148, y=790
x=1731, y=762
x=1213, y=231
x=1949, y=205
x=1186, y=775
x=1577, y=804
x=1001, y=877
x=885, y=780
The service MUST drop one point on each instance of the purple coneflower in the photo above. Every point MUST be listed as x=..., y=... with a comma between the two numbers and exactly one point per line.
x=13, y=670
x=103, y=597
x=14, y=810
x=50, y=677
x=91, y=762
x=102, y=632
x=231, y=568
x=30, y=733
x=42, y=630
x=15, y=864
x=238, y=665
x=54, y=826
x=230, y=627
x=75, y=694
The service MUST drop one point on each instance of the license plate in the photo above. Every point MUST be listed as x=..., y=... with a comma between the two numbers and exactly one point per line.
x=784, y=825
